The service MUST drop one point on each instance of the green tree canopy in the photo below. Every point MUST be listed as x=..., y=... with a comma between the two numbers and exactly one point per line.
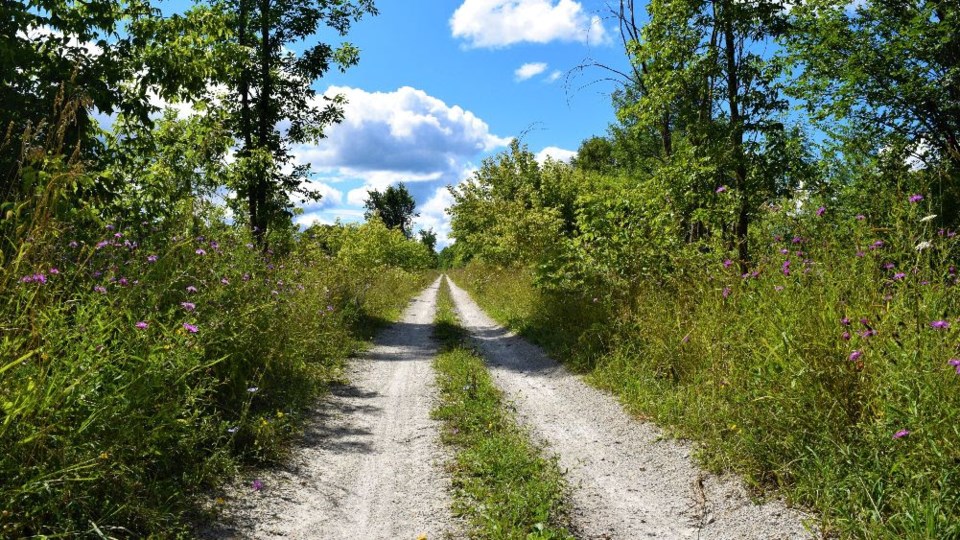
x=394, y=207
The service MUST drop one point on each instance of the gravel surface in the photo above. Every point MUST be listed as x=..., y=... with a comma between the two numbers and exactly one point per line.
x=627, y=481
x=370, y=465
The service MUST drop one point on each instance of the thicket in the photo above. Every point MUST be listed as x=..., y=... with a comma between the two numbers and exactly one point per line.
x=776, y=282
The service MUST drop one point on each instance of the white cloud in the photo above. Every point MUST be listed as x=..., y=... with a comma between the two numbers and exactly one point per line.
x=406, y=130
x=499, y=23
x=553, y=77
x=529, y=70
x=557, y=154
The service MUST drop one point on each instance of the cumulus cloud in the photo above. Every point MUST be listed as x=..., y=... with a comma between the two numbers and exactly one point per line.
x=499, y=23
x=555, y=153
x=553, y=77
x=529, y=70
x=405, y=130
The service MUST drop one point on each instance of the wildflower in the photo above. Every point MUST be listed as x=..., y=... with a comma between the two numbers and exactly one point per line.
x=686, y=339
x=123, y=281
x=915, y=198
x=142, y=325
x=784, y=251
x=939, y=325
x=861, y=217
x=39, y=278
x=54, y=271
x=225, y=281
x=727, y=263
x=73, y=244
x=330, y=308
x=249, y=246
x=923, y=245
x=189, y=306
x=888, y=266
x=200, y=251
x=102, y=244
x=726, y=292
x=785, y=268
x=860, y=254
x=253, y=389
x=821, y=210
x=845, y=321
x=274, y=292
x=721, y=189
x=898, y=276
x=257, y=485
x=100, y=289
x=26, y=279
x=117, y=235
x=110, y=227
x=190, y=328
x=877, y=245
x=855, y=355
x=901, y=434
x=214, y=244
x=246, y=277
x=870, y=332
x=925, y=219
x=151, y=258
x=232, y=430
x=778, y=288
x=845, y=336
x=955, y=362
x=864, y=321
x=798, y=240
x=191, y=289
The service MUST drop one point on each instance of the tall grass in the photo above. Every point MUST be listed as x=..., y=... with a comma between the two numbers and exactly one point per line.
x=829, y=371
x=141, y=363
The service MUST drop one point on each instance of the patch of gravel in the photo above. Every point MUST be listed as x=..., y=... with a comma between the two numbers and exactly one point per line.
x=370, y=465
x=627, y=481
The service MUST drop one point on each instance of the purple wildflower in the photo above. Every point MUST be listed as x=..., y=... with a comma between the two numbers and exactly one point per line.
x=861, y=254
x=778, y=288
x=861, y=217
x=939, y=325
x=200, y=251
x=726, y=292
x=727, y=263
x=798, y=240
x=142, y=325
x=100, y=289
x=784, y=251
x=901, y=434
x=845, y=321
x=190, y=328
x=246, y=277
x=721, y=189
x=855, y=355
x=73, y=244
x=821, y=210
x=955, y=362
x=189, y=306
x=864, y=321
x=110, y=227
x=845, y=336
x=54, y=271
x=877, y=245
x=898, y=276
x=102, y=244
x=785, y=268
x=257, y=485
x=888, y=266
x=191, y=289
x=151, y=258
x=915, y=198
x=225, y=281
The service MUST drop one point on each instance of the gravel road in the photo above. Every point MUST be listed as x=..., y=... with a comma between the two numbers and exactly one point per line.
x=370, y=465
x=627, y=481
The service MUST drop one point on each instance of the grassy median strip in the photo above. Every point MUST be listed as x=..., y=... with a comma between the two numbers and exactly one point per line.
x=503, y=484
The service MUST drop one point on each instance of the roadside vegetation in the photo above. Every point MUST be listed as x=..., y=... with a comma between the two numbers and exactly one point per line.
x=502, y=483
x=778, y=284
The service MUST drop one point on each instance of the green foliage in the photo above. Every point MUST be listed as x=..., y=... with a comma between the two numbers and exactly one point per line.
x=503, y=485
x=372, y=245
x=761, y=368
x=394, y=207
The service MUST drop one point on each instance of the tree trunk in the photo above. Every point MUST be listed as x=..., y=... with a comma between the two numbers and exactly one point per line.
x=736, y=135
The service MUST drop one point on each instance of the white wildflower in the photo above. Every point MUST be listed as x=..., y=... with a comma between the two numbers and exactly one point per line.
x=923, y=245
x=931, y=217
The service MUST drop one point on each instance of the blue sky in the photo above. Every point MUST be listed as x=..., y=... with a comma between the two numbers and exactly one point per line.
x=442, y=85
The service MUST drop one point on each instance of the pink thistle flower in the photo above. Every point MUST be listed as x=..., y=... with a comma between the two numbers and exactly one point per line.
x=845, y=336
x=142, y=325
x=861, y=217
x=151, y=258
x=54, y=271
x=939, y=325
x=257, y=485
x=200, y=251
x=726, y=292
x=721, y=189
x=73, y=244
x=191, y=289
x=845, y=321
x=855, y=355
x=190, y=328
x=188, y=306
x=727, y=263
x=915, y=198
x=901, y=434
x=225, y=281
x=821, y=210
x=955, y=362
x=898, y=276
x=100, y=289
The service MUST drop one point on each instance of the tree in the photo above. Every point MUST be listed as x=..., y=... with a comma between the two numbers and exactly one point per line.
x=429, y=239
x=270, y=85
x=394, y=207
x=889, y=71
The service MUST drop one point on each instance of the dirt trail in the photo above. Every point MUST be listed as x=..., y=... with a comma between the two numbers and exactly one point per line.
x=627, y=482
x=371, y=465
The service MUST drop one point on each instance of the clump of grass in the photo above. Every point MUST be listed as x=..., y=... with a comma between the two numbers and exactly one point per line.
x=503, y=484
